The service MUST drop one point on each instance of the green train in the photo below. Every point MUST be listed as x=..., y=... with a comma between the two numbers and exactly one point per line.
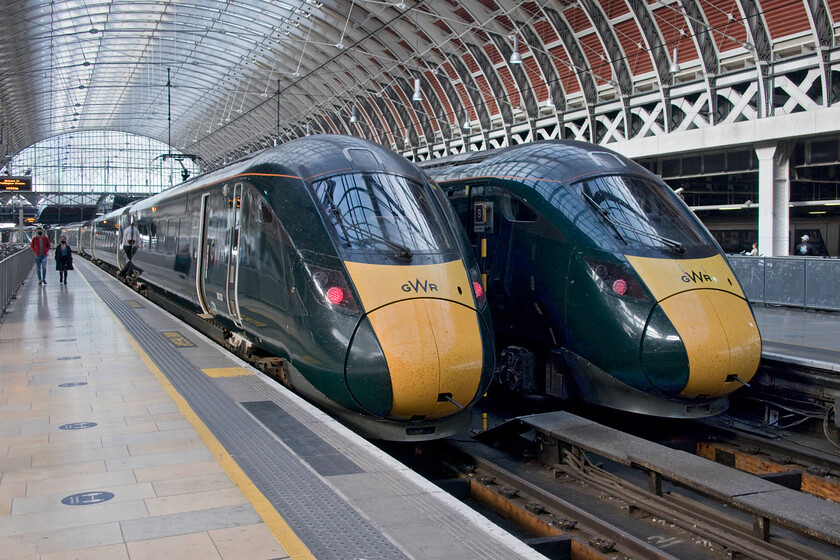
x=339, y=257
x=603, y=285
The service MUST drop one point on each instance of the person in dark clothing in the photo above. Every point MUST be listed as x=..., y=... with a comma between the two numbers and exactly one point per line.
x=805, y=248
x=131, y=237
x=63, y=260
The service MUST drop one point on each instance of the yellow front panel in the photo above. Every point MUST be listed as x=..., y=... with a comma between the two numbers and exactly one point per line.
x=431, y=347
x=408, y=342
x=425, y=321
x=666, y=277
x=744, y=339
x=720, y=338
x=697, y=323
x=380, y=285
x=459, y=351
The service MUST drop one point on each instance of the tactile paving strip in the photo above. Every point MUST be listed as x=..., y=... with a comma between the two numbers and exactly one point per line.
x=326, y=524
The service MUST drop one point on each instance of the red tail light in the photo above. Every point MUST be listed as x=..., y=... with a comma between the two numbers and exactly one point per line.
x=335, y=295
x=618, y=278
x=479, y=291
x=477, y=287
x=332, y=289
x=620, y=287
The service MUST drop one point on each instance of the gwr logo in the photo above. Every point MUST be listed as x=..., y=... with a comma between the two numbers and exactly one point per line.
x=695, y=277
x=418, y=285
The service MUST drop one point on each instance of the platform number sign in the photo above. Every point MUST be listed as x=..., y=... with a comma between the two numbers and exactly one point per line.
x=483, y=217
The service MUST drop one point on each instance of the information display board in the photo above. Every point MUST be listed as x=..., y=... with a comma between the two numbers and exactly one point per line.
x=11, y=183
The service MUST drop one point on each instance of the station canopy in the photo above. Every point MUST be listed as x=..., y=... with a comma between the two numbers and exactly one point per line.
x=220, y=79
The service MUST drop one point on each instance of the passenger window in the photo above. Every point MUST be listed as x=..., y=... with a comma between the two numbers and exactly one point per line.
x=516, y=210
x=265, y=216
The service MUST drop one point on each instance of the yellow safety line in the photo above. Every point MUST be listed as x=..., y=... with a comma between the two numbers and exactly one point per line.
x=276, y=524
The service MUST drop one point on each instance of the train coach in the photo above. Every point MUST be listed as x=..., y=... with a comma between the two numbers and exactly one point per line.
x=604, y=287
x=335, y=255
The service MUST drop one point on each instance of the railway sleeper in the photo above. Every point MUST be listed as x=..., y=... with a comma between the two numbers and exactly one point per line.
x=751, y=539
x=537, y=520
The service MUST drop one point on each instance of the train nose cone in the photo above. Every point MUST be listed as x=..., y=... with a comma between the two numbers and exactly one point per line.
x=697, y=343
x=433, y=350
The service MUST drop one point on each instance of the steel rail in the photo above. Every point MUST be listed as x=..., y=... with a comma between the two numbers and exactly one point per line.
x=695, y=517
x=629, y=543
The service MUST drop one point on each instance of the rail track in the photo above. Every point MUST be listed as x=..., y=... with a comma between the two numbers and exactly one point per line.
x=581, y=505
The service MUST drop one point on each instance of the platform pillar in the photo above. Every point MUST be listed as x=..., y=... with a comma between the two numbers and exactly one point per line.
x=773, y=198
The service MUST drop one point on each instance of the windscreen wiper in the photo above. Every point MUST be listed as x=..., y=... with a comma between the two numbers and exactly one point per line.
x=403, y=252
x=675, y=245
x=605, y=214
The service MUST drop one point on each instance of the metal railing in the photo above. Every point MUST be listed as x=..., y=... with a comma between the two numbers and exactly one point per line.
x=807, y=282
x=13, y=270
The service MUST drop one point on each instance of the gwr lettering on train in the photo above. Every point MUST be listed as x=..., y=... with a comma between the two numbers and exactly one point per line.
x=695, y=277
x=418, y=285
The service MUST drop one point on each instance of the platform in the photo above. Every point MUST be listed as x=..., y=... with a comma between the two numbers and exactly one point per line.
x=806, y=338
x=125, y=434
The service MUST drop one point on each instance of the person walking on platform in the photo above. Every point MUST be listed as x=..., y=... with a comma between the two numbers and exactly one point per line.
x=40, y=245
x=805, y=248
x=63, y=260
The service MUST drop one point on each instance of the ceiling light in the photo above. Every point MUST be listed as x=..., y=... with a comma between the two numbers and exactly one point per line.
x=407, y=140
x=549, y=102
x=353, y=117
x=418, y=95
x=675, y=66
x=466, y=125
x=515, y=57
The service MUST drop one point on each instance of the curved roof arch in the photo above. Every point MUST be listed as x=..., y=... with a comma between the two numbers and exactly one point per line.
x=242, y=74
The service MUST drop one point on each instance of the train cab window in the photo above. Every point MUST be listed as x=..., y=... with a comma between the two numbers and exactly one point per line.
x=516, y=210
x=384, y=213
x=641, y=213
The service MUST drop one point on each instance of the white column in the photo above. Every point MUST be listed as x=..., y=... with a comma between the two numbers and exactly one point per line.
x=773, y=199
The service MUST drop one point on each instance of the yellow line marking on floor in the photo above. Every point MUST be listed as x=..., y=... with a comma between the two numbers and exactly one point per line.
x=227, y=372
x=275, y=522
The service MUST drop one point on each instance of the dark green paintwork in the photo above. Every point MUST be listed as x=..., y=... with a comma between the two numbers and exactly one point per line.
x=542, y=293
x=282, y=231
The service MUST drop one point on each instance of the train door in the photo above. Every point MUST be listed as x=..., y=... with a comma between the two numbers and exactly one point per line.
x=203, y=255
x=491, y=234
x=232, y=283
x=93, y=240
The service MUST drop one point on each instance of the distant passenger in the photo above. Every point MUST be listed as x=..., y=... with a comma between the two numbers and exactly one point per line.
x=754, y=251
x=805, y=248
x=40, y=245
x=63, y=260
x=131, y=237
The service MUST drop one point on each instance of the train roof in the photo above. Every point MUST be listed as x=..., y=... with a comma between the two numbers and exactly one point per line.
x=305, y=158
x=564, y=161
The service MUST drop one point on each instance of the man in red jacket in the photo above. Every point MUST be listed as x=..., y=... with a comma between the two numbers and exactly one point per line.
x=40, y=245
